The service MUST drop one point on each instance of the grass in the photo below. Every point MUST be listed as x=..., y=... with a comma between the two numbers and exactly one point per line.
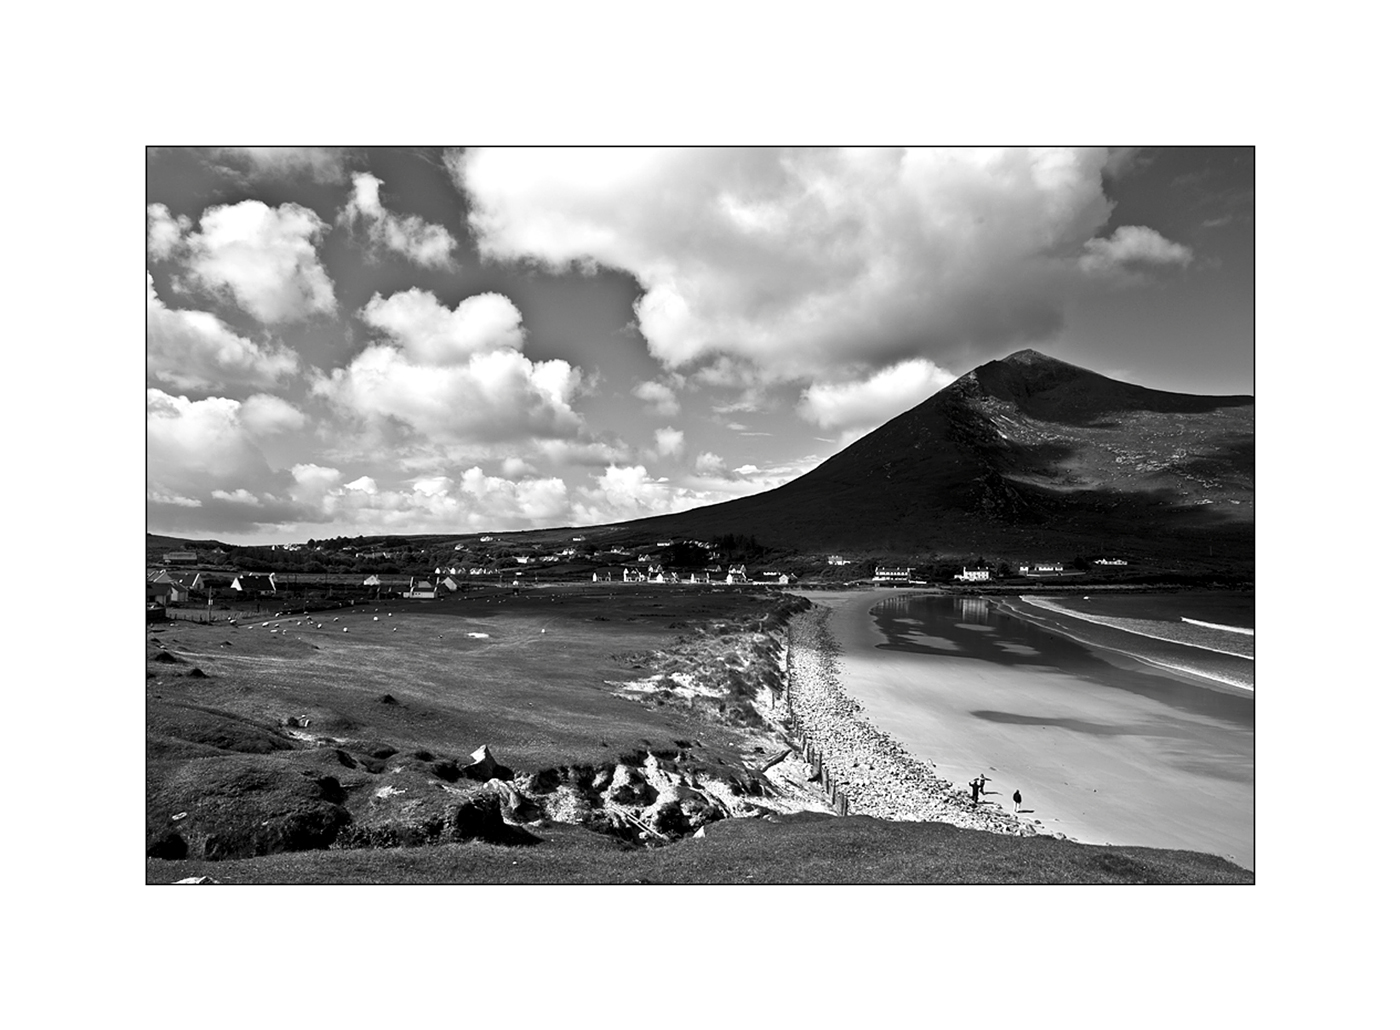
x=288, y=744
x=811, y=850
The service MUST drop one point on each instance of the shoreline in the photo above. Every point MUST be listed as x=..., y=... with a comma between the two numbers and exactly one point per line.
x=1088, y=753
x=879, y=776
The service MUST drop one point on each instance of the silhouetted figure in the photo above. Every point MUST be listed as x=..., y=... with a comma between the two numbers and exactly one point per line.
x=1017, y=798
x=976, y=787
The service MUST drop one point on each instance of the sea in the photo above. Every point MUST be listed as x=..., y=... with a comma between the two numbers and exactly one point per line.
x=1131, y=716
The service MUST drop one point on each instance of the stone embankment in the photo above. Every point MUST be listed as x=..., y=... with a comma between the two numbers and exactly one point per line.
x=877, y=774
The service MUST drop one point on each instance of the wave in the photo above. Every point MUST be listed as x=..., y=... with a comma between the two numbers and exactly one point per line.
x=1215, y=625
x=1171, y=633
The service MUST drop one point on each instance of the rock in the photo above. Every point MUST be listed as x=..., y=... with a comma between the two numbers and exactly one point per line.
x=168, y=845
x=197, y=879
x=515, y=805
x=388, y=699
x=483, y=766
x=479, y=818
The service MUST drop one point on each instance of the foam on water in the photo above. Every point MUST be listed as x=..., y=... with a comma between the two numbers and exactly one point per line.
x=1172, y=633
x=1215, y=625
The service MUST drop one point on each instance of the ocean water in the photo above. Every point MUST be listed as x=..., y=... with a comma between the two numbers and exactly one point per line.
x=1124, y=720
x=1205, y=635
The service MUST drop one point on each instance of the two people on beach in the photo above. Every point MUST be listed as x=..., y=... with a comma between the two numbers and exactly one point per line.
x=979, y=787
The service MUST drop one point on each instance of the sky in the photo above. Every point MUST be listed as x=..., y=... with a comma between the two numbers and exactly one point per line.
x=347, y=341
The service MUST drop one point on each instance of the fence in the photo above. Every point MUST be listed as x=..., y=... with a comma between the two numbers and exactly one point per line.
x=811, y=753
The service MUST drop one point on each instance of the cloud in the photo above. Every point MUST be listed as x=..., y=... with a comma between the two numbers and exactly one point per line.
x=857, y=406
x=1131, y=244
x=163, y=232
x=196, y=447
x=516, y=468
x=194, y=350
x=492, y=397
x=806, y=263
x=530, y=501
x=324, y=164
x=670, y=441
x=746, y=470
x=265, y=415
x=420, y=241
x=629, y=492
x=239, y=496
x=710, y=464
x=432, y=334
x=660, y=398
x=264, y=258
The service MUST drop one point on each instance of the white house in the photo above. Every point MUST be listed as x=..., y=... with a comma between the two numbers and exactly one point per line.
x=1042, y=568
x=449, y=584
x=836, y=559
x=890, y=575
x=254, y=584
x=737, y=574
x=974, y=575
x=421, y=589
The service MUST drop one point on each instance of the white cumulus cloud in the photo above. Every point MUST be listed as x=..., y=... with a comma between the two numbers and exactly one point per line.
x=264, y=258
x=1131, y=244
x=433, y=334
x=857, y=406
x=660, y=398
x=420, y=241
x=806, y=263
x=670, y=441
x=194, y=350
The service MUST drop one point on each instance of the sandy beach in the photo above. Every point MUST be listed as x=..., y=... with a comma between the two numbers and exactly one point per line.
x=1097, y=764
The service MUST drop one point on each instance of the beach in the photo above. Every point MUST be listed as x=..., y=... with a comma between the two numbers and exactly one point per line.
x=1103, y=747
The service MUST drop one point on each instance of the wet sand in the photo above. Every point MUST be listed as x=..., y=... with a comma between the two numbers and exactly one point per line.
x=1098, y=752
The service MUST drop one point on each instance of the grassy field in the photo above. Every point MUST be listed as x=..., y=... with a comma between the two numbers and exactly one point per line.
x=274, y=739
x=786, y=849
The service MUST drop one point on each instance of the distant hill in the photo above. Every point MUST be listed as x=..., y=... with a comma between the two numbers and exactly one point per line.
x=1022, y=456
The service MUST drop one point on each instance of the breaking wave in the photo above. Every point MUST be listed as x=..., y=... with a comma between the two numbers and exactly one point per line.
x=1189, y=632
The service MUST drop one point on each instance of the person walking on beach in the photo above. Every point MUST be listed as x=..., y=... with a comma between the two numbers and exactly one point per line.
x=1016, y=797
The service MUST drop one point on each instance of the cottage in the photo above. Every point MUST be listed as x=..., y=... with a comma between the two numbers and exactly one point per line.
x=421, y=590
x=449, y=584
x=737, y=574
x=974, y=575
x=255, y=584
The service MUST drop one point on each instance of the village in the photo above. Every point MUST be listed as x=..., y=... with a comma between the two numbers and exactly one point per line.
x=328, y=574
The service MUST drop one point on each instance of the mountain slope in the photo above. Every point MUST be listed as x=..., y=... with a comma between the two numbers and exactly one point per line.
x=1020, y=455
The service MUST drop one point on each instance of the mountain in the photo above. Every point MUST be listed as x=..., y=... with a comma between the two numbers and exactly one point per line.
x=1025, y=457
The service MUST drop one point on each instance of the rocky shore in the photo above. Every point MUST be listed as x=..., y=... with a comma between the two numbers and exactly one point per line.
x=878, y=776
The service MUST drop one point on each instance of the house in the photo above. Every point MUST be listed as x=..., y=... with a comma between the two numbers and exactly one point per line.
x=187, y=582
x=421, y=589
x=163, y=592
x=372, y=581
x=1042, y=568
x=633, y=576
x=449, y=584
x=836, y=559
x=737, y=574
x=974, y=575
x=892, y=575
x=179, y=557
x=578, y=539
x=255, y=584
x=1109, y=561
